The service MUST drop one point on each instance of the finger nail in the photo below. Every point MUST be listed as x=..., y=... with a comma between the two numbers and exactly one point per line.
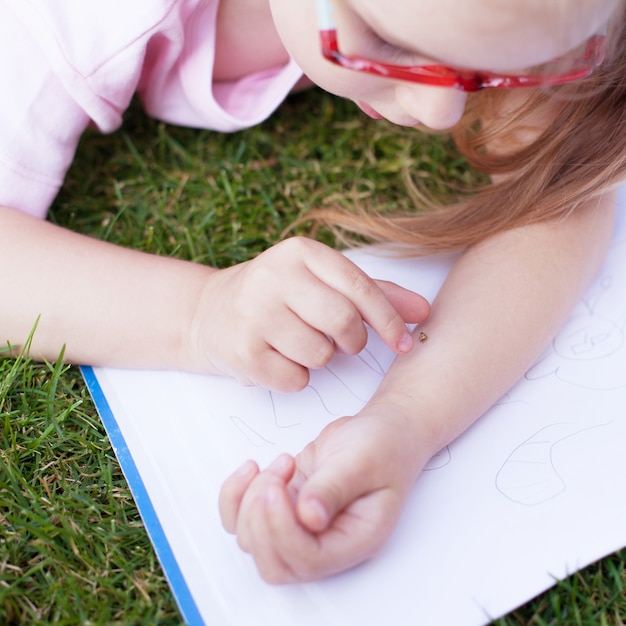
x=317, y=516
x=406, y=342
x=246, y=469
x=280, y=464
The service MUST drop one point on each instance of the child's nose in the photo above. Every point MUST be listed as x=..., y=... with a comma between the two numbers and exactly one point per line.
x=435, y=107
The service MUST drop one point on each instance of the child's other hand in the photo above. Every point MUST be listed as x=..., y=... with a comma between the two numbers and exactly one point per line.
x=267, y=321
x=331, y=507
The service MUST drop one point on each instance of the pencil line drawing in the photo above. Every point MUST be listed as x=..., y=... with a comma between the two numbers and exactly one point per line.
x=369, y=359
x=280, y=420
x=340, y=382
x=589, y=351
x=347, y=383
x=529, y=476
x=439, y=460
x=250, y=434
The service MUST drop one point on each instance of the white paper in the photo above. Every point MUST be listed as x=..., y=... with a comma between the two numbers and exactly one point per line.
x=528, y=495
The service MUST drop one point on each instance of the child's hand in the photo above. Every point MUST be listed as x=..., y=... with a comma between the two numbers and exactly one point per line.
x=331, y=507
x=269, y=320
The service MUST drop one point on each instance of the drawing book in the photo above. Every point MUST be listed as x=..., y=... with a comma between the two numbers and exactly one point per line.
x=530, y=494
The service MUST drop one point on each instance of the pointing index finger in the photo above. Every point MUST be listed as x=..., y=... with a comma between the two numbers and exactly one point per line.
x=375, y=308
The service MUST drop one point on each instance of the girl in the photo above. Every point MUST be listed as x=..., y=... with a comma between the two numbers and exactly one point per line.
x=67, y=65
x=534, y=238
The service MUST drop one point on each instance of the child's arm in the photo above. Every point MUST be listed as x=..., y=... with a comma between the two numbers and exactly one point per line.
x=265, y=321
x=338, y=502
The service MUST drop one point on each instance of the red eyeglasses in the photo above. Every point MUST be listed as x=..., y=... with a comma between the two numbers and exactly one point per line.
x=572, y=66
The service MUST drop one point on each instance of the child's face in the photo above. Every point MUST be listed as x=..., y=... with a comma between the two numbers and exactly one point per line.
x=497, y=35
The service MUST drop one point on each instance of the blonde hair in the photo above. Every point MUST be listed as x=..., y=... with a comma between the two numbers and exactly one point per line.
x=539, y=172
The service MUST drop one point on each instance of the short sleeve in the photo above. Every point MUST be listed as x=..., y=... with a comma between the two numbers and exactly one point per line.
x=177, y=84
x=70, y=63
x=40, y=124
x=65, y=65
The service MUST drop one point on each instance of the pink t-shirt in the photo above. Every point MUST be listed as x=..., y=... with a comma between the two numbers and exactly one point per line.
x=68, y=63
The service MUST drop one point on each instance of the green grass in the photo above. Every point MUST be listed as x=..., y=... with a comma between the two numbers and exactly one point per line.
x=72, y=546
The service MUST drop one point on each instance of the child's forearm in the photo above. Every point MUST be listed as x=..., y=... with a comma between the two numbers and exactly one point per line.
x=336, y=503
x=265, y=321
x=502, y=303
x=106, y=304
